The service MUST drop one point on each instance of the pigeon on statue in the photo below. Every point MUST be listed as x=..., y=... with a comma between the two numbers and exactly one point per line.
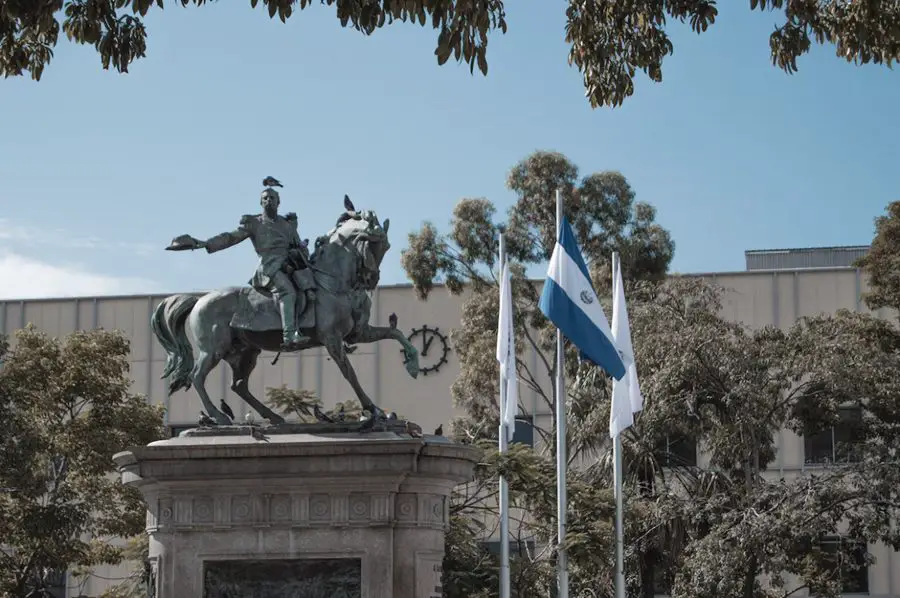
x=439, y=431
x=320, y=415
x=226, y=409
x=271, y=181
x=206, y=421
x=392, y=320
x=348, y=205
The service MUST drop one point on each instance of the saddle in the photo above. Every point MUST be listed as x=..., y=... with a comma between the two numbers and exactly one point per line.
x=258, y=312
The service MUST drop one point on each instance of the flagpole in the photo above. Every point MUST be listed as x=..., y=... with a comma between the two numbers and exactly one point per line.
x=617, y=481
x=504, y=485
x=562, y=558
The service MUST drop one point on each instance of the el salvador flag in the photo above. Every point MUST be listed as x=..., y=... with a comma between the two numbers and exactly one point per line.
x=568, y=300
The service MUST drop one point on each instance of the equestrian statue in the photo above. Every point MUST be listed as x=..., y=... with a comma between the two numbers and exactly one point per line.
x=296, y=300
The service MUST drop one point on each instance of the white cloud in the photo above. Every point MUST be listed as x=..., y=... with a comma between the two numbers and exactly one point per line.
x=64, y=239
x=22, y=277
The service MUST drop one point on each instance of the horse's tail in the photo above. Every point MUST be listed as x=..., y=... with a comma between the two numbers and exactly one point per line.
x=167, y=323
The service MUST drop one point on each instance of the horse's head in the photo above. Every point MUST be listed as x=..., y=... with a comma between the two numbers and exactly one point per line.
x=362, y=234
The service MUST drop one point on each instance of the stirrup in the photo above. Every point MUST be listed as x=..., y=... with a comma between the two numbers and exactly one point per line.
x=291, y=340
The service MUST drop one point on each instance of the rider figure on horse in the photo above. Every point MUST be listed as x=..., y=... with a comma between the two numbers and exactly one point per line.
x=283, y=271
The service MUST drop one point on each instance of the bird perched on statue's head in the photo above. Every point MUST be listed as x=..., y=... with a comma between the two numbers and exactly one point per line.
x=348, y=205
x=271, y=181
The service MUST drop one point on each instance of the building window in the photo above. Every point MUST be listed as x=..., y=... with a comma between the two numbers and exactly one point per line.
x=53, y=585
x=835, y=444
x=663, y=580
x=524, y=432
x=848, y=559
x=515, y=549
x=174, y=431
x=677, y=451
x=56, y=584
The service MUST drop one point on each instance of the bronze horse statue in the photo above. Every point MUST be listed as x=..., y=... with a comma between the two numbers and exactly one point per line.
x=236, y=324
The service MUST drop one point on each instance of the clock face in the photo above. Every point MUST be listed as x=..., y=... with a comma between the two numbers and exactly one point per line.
x=433, y=348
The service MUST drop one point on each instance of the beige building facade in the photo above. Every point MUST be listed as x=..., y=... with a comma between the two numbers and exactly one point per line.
x=777, y=288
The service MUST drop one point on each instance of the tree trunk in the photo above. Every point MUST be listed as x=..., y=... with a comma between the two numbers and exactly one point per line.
x=750, y=578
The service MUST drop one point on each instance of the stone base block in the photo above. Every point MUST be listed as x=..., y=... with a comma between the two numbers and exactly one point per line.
x=352, y=515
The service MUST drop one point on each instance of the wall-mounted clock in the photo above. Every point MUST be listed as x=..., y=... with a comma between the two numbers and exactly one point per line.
x=433, y=348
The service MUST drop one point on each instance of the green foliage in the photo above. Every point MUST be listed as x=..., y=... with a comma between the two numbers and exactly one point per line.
x=66, y=408
x=136, y=552
x=882, y=263
x=610, y=40
x=604, y=215
x=301, y=403
x=613, y=39
x=710, y=532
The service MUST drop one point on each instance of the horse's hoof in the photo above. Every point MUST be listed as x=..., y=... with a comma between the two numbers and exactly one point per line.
x=377, y=416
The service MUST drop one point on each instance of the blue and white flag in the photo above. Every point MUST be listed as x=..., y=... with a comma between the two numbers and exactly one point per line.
x=569, y=301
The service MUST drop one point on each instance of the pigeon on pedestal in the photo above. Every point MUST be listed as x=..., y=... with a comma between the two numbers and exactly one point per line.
x=226, y=409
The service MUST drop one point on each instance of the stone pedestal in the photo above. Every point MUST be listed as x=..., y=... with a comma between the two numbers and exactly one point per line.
x=298, y=514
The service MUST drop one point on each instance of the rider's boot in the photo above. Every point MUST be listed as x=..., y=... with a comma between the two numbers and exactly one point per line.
x=287, y=306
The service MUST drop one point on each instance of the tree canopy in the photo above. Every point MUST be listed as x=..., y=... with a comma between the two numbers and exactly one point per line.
x=882, y=262
x=610, y=41
x=702, y=528
x=66, y=408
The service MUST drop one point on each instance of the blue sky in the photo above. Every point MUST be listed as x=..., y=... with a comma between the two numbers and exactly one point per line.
x=98, y=171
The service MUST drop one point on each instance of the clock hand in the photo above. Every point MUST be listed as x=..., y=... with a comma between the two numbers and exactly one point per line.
x=425, y=346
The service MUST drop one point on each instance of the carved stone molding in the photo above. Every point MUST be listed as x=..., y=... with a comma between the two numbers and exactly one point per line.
x=297, y=509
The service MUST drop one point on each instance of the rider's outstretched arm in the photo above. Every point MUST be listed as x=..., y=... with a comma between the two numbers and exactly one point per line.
x=226, y=240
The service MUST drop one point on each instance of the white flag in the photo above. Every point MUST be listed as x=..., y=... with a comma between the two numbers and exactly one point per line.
x=506, y=354
x=626, y=394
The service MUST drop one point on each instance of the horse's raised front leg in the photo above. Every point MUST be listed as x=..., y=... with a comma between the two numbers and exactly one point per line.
x=242, y=362
x=373, y=334
x=335, y=348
